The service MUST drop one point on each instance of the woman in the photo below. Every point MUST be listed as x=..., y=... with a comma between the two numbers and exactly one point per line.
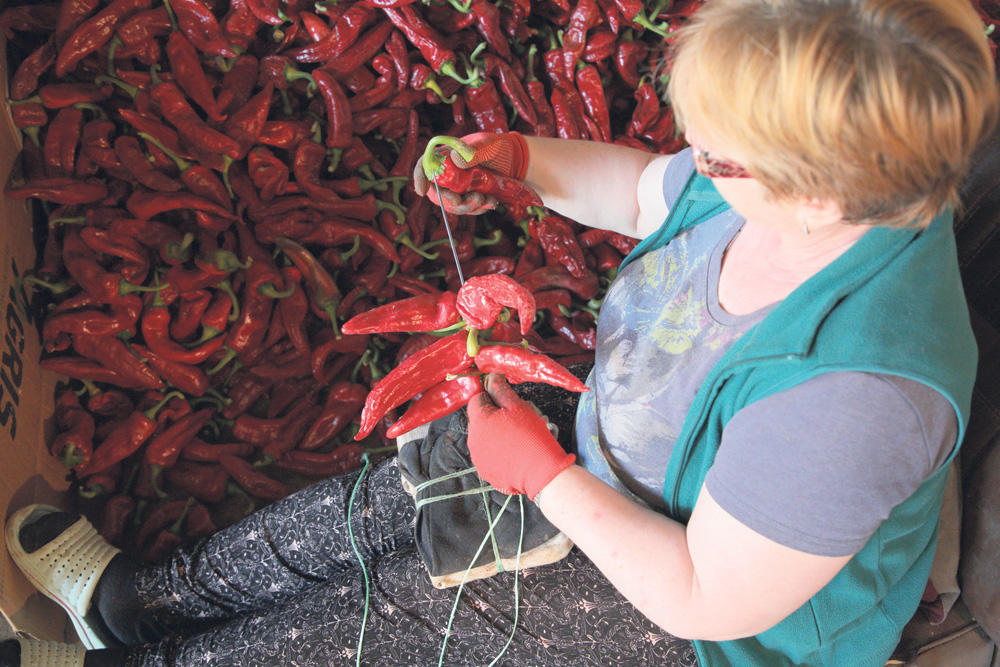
x=782, y=378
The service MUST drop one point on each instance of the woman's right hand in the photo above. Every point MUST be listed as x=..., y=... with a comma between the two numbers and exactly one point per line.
x=505, y=153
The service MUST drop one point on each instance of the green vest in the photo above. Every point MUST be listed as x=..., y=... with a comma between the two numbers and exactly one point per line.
x=893, y=303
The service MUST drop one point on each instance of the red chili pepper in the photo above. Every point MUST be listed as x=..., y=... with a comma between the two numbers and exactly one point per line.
x=145, y=26
x=115, y=516
x=284, y=133
x=426, y=312
x=255, y=483
x=395, y=46
x=343, y=404
x=555, y=275
x=323, y=290
x=585, y=15
x=343, y=34
x=110, y=403
x=207, y=483
x=483, y=102
x=27, y=116
x=74, y=443
x=361, y=51
x=192, y=380
x=567, y=126
x=588, y=83
x=192, y=305
x=146, y=205
x=201, y=27
x=522, y=365
x=71, y=14
x=316, y=27
x=247, y=123
x=343, y=350
x=165, y=448
x=155, y=332
x=94, y=33
x=60, y=95
x=61, y=140
x=171, y=512
x=132, y=158
x=61, y=190
x=187, y=71
x=182, y=116
x=338, y=111
x=113, y=354
x=339, y=460
x=428, y=41
x=473, y=179
x=125, y=438
x=86, y=369
x=418, y=373
x=245, y=389
x=199, y=450
x=25, y=79
x=482, y=298
x=440, y=400
x=559, y=242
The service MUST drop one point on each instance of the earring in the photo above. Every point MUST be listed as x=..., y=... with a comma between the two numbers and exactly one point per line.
x=805, y=227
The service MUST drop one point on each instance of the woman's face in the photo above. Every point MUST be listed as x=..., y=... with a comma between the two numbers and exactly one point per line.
x=723, y=164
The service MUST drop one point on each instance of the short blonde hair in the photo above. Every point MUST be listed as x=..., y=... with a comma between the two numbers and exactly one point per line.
x=874, y=104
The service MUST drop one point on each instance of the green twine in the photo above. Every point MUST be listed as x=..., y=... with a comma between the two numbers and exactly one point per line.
x=458, y=596
x=357, y=553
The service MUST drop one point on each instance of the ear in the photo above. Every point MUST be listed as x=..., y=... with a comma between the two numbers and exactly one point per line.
x=816, y=212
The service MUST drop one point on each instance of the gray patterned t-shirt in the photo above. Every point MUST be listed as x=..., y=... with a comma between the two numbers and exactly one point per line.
x=816, y=467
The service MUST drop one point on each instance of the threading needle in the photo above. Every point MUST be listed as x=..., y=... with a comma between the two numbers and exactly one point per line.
x=447, y=228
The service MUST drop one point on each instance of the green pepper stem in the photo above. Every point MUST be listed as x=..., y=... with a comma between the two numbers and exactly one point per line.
x=492, y=240
x=432, y=85
x=125, y=287
x=448, y=69
x=129, y=89
x=207, y=334
x=271, y=291
x=88, y=106
x=405, y=240
x=335, y=155
x=234, y=313
x=78, y=220
x=55, y=288
x=150, y=414
x=472, y=343
x=116, y=41
x=330, y=308
x=226, y=163
x=178, y=250
x=226, y=358
x=171, y=14
x=347, y=254
x=433, y=160
x=292, y=75
x=181, y=163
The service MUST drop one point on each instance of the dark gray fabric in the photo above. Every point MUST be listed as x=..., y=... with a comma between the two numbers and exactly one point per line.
x=281, y=588
x=818, y=467
x=449, y=532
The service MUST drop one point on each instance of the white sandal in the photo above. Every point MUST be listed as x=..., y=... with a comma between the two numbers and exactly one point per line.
x=66, y=569
x=38, y=653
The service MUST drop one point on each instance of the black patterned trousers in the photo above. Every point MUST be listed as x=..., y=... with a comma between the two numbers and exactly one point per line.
x=283, y=587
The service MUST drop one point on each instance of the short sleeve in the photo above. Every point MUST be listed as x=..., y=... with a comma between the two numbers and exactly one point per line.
x=676, y=175
x=819, y=466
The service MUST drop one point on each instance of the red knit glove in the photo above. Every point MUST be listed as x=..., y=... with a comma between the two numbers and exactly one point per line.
x=505, y=153
x=510, y=443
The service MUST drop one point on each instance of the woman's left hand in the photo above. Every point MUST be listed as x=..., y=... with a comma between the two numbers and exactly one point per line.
x=510, y=443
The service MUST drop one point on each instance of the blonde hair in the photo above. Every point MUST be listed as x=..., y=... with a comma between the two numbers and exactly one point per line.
x=874, y=104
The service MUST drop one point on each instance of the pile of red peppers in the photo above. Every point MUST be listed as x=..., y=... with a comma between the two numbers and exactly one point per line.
x=221, y=186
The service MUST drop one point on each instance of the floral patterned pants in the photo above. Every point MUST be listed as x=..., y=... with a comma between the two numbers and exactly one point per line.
x=283, y=587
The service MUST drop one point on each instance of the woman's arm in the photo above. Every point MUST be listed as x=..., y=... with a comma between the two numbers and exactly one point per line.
x=714, y=579
x=598, y=184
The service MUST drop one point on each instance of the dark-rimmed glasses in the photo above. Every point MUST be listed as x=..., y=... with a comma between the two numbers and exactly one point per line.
x=710, y=166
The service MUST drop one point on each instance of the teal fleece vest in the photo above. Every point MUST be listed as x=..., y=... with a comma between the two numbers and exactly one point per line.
x=893, y=303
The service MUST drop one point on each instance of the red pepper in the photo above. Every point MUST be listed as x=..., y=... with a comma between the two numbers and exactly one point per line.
x=585, y=15
x=87, y=369
x=192, y=380
x=247, y=123
x=156, y=333
x=192, y=305
x=172, y=512
x=255, y=483
x=199, y=450
x=62, y=190
x=395, y=46
x=284, y=133
x=61, y=139
x=512, y=88
x=245, y=389
x=201, y=27
x=74, y=444
x=426, y=312
x=110, y=403
x=559, y=242
x=132, y=158
x=71, y=14
x=189, y=75
x=125, y=438
x=343, y=34
x=473, y=179
x=315, y=27
x=522, y=365
x=164, y=449
x=323, y=290
x=483, y=102
x=94, y=33
x=440, y=400
x=428, y=40
x=145, y=26
x=419, y=372
x=482, y=298
x=555, y=275
x=339, y=460
x=207, y=483
x=338, y=111
x=146, y=205
x=588, y=83
x=182, y=116
x=115, y=516
x=60, y=95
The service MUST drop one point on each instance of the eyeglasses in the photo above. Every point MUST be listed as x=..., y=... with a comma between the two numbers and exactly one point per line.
x=714, y=167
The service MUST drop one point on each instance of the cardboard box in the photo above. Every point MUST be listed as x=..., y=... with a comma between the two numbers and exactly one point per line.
x=27, y=473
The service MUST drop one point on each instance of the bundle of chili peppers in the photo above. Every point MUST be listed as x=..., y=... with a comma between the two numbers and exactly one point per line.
x=243, y=291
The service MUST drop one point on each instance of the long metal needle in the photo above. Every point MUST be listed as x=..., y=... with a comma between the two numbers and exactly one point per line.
x=447, y=228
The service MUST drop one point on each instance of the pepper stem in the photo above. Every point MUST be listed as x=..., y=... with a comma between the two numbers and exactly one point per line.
x=347, y=254
x=330, y=308
x=88, y=106
x=125, y=287
x=492, y=240
x=433, y=160
x=405, y=240
x=112, y=48
x=448, y=69
x=226, y=163
x=271, y=291
x=472, y=342
x=171, y=14
x=55, y=288
x=226, y=358
x=181, y=163
x=432, y=85
x=150, y=414
x=234, y=313
x=129, y=89
x=78, y=220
